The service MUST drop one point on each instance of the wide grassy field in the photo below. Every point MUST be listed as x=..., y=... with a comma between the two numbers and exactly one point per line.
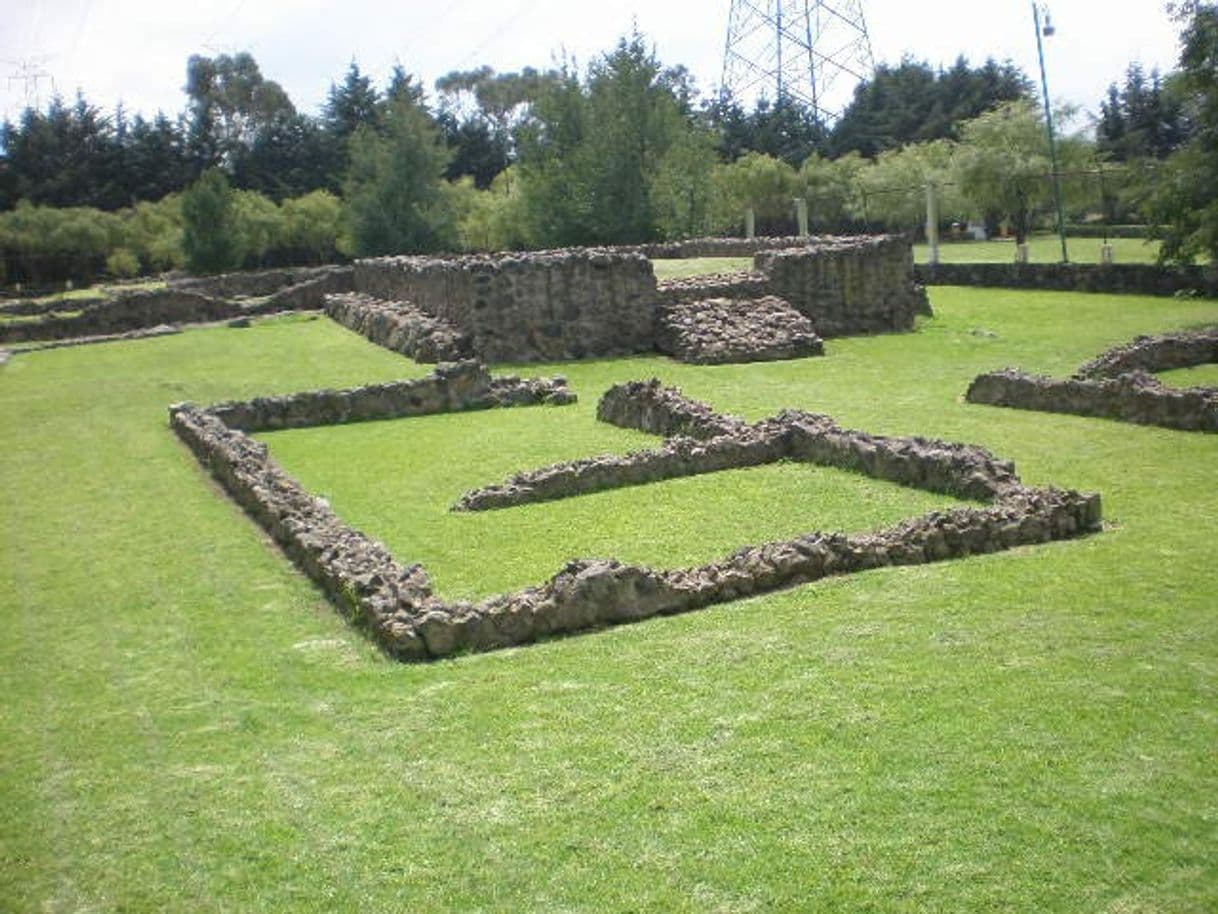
x=1042, y=249
x=187, y=725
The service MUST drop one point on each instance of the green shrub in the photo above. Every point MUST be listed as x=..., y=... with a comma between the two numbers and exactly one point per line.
x=122, y=263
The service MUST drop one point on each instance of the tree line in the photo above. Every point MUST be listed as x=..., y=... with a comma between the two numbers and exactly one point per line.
x=624, y=151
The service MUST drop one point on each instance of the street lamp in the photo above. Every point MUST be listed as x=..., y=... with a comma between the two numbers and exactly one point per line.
x=1047, y=30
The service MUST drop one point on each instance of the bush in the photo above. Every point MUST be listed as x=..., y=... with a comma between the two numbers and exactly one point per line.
x=122, y=264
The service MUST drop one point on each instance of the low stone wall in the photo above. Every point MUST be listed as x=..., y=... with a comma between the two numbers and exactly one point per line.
x=396, y=604
x=253, y=283
x=1120, y=278
x=1154, y=353
x=1132, y=397
x=719, y=331
x=133, y=311
x=141, y=334
x=723, y=247
x=24, y=307
x=399, y=326
x=677, y=457
x=546, y=305
x=962, y=470
x=1116, y=385
x=310, y=294
x=649, y=406
x=454, y=387
x=358, y=574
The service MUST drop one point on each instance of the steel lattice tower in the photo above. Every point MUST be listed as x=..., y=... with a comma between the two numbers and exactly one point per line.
x=813, y=50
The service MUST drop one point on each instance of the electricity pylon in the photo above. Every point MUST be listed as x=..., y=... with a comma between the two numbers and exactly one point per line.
x=816, y=51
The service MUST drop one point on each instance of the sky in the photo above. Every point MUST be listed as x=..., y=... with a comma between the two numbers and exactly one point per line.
x=135, y=51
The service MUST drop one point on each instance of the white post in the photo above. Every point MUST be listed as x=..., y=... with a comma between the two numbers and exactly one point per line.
x=801, y=216
x=932, y=222
x=1106, y=257
x=750, y=223
x=1021, y=253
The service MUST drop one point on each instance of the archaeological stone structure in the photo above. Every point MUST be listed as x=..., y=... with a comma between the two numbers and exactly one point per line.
x=595, y=302
x=544, y=305
x=191, y=302
x=1118, y=384
x=396, y=604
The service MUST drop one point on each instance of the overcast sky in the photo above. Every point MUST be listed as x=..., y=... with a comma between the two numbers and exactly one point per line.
x=136, y=50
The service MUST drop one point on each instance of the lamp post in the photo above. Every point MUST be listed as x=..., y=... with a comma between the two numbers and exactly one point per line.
x=1046, y=29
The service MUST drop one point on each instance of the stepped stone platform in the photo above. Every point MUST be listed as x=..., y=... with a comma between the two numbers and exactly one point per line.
x=716, y=331
x=400, y=326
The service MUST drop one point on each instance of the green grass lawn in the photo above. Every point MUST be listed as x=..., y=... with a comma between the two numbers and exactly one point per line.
x=1198, y=376
x=1042, y=249
x=188, y=725
x=699, y=266
x=430, y=462
x=104, y=288
x=35, y=318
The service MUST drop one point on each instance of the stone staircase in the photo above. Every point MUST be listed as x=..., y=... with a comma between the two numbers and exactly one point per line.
x=716, y=331
x=401, y=327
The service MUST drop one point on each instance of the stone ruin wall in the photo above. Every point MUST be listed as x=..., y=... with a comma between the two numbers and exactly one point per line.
x=1110, y=279
x=592, y=302
x=852, y=285
x=546, y=305
x=1117, y=384
x=180, y=303
x=844, y=286
x=395, y=602
x=538, y=306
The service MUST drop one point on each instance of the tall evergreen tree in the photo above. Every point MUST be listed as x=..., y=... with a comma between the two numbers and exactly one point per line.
x=290, y=156
x=1145, y=119
x=591, y=153
x=912, y=103
x=210, y=238
x=395, y=201
x=351, y=105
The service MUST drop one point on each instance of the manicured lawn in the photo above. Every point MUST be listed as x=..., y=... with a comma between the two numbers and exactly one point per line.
x=428, y=463
x=1198, y=376
x=189, y=726
x=1042, y=249
x=104, y=288
x=697, y=266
